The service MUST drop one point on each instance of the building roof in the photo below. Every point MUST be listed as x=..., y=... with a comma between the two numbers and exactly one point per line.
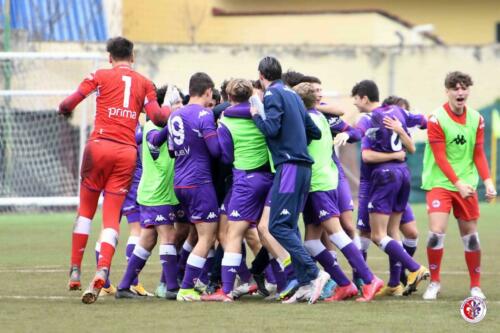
x=222, y=12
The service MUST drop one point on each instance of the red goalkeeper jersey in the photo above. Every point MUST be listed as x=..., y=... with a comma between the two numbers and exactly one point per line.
x=121, y=95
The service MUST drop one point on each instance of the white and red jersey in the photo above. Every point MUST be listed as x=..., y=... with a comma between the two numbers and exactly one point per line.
x=122, y=93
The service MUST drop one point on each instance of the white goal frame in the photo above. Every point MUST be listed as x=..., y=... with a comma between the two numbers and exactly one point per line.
x=86, y=108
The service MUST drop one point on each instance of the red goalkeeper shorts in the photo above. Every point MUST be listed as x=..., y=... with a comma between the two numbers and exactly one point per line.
x=108, y=166
x=442, y=200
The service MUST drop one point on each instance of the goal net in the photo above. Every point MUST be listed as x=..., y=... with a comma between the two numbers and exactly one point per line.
x=40, y=151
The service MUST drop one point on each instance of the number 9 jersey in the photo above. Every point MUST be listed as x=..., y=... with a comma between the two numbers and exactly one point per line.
x=188, y=128
x=121, y=95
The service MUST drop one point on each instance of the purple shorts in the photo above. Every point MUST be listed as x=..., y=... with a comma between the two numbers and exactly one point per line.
x=225, y=202
x=344, y=195
x=248, y=195
x=389, y=190
x=130, y=207
x=408, y=215
x=199, y=203
x=152, y=216
x=364, y=217
x=268, y=199
x=320, y=206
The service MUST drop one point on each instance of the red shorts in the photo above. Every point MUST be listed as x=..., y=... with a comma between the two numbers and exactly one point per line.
x=442, y=200
x=108, y=166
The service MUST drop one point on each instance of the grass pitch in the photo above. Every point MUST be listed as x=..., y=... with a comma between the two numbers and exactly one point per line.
x=34, y=258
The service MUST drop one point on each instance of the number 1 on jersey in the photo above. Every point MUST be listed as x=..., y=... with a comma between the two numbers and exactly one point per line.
x=126, y=93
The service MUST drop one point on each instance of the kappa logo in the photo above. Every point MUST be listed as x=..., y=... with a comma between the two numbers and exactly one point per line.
x=436, y=203
x=370, y=205
x=203, y=113
x=459, y=140
x=268, y=93
x=334, y=121
x=222, y=207
x=211, y=215
x=160, y=218
x=285, y=212
x=235, y=213
x=323, y=213
x=360, y=222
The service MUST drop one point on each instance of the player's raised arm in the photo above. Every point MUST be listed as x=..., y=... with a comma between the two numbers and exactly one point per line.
x=86, y=87
x=207, y=129
x=158, y=115
x=395, y=125
x=226, y=144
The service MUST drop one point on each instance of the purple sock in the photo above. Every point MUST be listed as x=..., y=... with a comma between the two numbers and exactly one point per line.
x=358, y=264
x=230, y=264
x=331, y=266
x=279, y=275
x=183, y=256
x=128, y=253
x=270, y=275
x=398, y=253
x=169, y=268
x=134, y=267
x=191, y=274
x=394, y=273
x=207, y=269
x=244, y=272
x=194, y=267
x=97, y=252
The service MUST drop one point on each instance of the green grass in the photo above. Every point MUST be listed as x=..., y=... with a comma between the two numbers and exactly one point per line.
x=34, y=257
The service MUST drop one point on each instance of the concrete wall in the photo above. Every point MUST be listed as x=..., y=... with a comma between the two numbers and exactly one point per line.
x=184, y=21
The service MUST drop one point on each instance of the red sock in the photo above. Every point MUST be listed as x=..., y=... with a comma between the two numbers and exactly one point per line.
x=79, y=242
x=111, y=225
x=106, y=255
x=473, y=260
x=434, y=257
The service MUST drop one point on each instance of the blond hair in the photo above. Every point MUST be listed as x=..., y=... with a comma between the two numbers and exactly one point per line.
x=239, y=90
x=306, y=91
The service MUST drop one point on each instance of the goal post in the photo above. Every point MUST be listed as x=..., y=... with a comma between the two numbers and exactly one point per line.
x=40, y=151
